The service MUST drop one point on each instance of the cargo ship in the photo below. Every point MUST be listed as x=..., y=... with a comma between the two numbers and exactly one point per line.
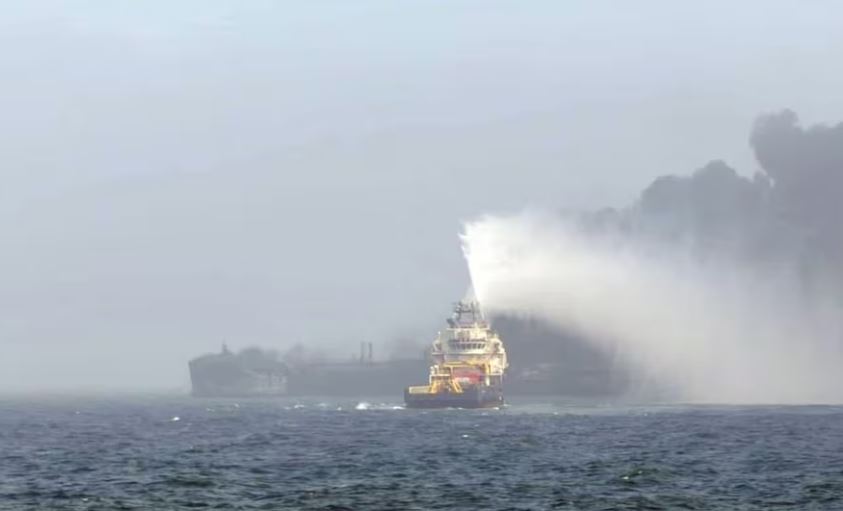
x=250, y=372
x=256, y=372
x=469, y=361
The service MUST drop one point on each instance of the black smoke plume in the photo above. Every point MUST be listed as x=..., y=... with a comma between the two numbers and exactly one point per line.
x=782, y=221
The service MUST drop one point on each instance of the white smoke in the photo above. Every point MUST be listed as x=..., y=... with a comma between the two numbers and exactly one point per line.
x=713, y=331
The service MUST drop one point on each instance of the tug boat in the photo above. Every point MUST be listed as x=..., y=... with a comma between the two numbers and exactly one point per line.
x=469, y=361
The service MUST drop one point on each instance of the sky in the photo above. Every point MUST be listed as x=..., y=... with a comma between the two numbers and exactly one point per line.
x=179, y=174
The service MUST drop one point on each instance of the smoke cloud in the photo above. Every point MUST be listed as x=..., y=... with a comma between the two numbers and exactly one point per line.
x=719, y=287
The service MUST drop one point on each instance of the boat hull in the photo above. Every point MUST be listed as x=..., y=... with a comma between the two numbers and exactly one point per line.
x=471, y=397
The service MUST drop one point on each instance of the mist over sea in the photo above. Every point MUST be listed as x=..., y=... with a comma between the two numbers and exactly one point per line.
x=255, y=198
x=329, y=454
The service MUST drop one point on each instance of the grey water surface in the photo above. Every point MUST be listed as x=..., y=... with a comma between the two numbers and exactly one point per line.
x=182, y=453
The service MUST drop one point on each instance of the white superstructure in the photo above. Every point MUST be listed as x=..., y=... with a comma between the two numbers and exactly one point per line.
x=470, y=340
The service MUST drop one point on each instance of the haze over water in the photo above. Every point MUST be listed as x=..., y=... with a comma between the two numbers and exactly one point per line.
x=180, y=175
x=645, y=196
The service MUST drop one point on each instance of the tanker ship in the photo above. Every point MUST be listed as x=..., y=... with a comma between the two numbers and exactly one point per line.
x=469, y=361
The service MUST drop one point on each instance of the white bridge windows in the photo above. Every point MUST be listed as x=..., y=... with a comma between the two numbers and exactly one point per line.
x=461, y=345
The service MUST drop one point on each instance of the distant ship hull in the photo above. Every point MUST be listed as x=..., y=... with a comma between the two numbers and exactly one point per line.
x=471, y=397
x=252, y=372
x=354, y=379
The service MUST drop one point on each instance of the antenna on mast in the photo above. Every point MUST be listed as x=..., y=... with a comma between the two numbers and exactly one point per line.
x=470, y=296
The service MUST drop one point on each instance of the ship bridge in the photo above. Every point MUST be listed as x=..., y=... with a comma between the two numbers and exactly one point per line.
x=467, y=315
x=469, y=339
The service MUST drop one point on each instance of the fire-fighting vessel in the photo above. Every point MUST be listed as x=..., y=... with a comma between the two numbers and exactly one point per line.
x=469, y=361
